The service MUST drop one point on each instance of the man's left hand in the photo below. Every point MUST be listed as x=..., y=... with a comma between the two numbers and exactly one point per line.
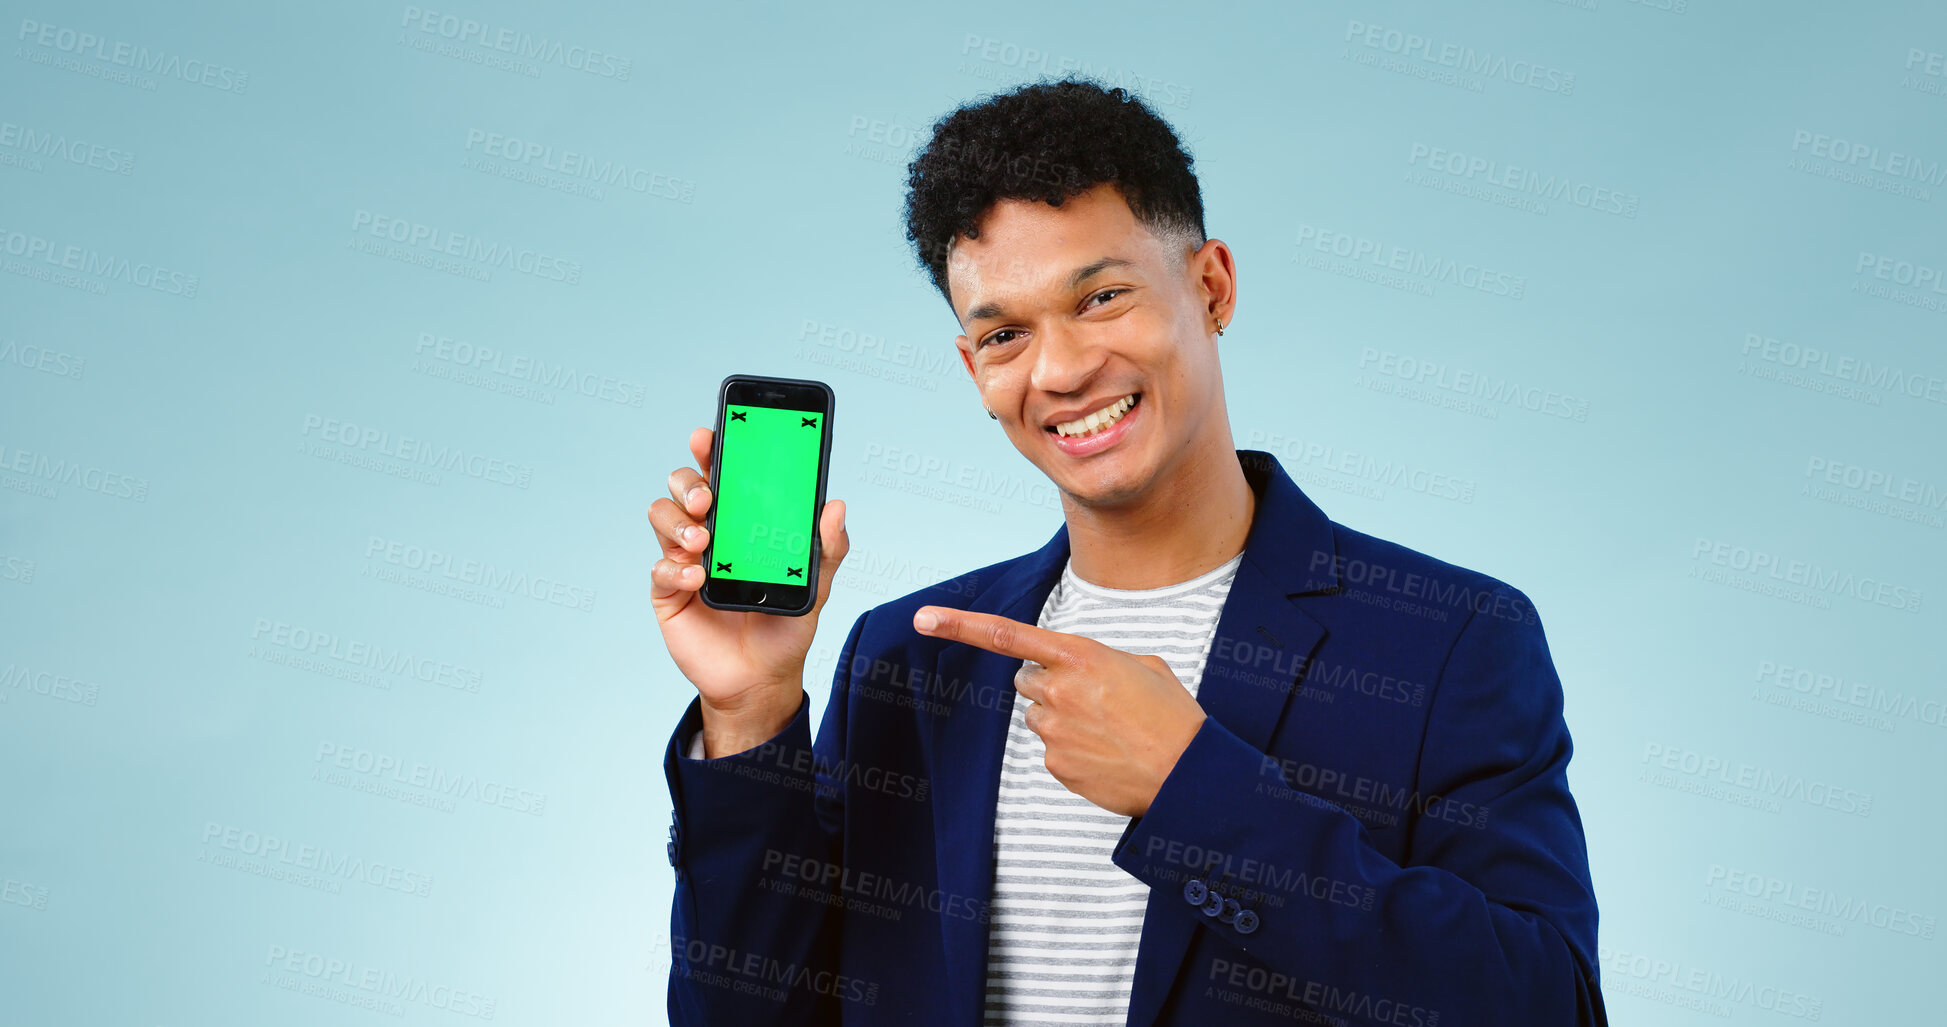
x=1114, y=723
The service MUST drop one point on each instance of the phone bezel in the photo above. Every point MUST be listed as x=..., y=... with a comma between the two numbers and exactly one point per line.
x=764, y=596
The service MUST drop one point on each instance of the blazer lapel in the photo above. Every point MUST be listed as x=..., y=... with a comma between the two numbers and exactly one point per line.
x=1262, y=644
x=966, y=754
x=1263, y=639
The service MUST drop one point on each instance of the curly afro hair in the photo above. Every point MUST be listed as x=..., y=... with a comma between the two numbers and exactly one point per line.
x=1046, y=141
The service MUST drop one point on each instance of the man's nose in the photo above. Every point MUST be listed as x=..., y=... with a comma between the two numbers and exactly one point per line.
x=1065, y=358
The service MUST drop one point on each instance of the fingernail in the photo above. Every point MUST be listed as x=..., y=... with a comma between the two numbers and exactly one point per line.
x=926, y=620
x=692, y=535
x=695, y=491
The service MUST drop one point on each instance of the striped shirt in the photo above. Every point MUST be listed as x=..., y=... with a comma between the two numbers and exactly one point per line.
x=1065, y=920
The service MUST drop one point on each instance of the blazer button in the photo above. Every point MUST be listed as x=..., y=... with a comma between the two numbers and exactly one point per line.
x=1214, y=905
x=1246, y=921
x=1231, y=909
x=1195, y=891
x=671, y=847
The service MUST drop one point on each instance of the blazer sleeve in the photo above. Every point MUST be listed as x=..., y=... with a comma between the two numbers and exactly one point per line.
x=1490, y=920
x=744, y=949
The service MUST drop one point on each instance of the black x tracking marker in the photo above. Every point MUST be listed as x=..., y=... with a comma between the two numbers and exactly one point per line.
x=808, y=422
x=737, y=415
x=723, y=568
x=794, y=572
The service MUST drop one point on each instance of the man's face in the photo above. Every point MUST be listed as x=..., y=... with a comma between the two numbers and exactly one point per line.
x=1079, y=309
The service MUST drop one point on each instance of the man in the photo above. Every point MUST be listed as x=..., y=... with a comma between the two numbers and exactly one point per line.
x=1206, y=757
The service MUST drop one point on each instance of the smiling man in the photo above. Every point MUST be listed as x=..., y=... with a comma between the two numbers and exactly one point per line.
x=1206, y=757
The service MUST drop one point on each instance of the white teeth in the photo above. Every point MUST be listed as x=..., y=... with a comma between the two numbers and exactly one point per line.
x=1100, y=419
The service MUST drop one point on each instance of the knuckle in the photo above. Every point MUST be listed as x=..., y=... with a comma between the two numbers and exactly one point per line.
x=667, y=519
x=669, y=572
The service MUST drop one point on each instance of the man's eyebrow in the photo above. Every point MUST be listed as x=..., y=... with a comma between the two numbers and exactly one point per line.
x=1088, y=271
x=1080, y=275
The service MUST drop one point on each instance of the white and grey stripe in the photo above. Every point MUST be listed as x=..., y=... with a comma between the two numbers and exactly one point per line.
x=1065, y=920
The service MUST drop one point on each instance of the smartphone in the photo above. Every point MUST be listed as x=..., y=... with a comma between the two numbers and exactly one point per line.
x=768, y=466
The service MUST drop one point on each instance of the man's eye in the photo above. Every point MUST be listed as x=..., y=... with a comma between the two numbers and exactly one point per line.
x=1105, y=295
x=998, y=336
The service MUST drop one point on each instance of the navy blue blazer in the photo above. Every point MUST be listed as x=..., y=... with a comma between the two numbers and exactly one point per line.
x=1372, y=826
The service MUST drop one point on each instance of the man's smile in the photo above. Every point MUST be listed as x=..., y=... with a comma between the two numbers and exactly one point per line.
x=1098, y=430
x=1063, y=423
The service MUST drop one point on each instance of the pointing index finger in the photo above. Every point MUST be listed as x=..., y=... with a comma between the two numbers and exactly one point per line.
x=997, y=634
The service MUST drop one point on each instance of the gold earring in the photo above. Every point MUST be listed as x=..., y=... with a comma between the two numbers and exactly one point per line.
x=993, y=415
x=1220, y=326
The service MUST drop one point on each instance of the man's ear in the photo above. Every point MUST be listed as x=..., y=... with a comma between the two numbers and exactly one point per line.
x=965, y=346
x=1214, y=272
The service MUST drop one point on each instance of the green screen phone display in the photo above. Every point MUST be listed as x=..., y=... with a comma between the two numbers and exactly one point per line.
x=767, y=483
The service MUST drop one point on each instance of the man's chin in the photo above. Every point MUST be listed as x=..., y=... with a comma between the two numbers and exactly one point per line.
x=1103, y=488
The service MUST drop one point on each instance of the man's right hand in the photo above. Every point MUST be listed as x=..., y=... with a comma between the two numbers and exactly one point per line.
x=747, y=667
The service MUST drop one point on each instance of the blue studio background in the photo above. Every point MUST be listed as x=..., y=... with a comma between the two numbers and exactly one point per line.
x=342, y=349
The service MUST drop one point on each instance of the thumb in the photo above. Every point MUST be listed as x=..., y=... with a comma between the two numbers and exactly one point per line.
x=834, y=543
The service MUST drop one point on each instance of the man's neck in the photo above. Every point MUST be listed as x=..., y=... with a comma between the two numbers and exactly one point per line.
x=1186, y=529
